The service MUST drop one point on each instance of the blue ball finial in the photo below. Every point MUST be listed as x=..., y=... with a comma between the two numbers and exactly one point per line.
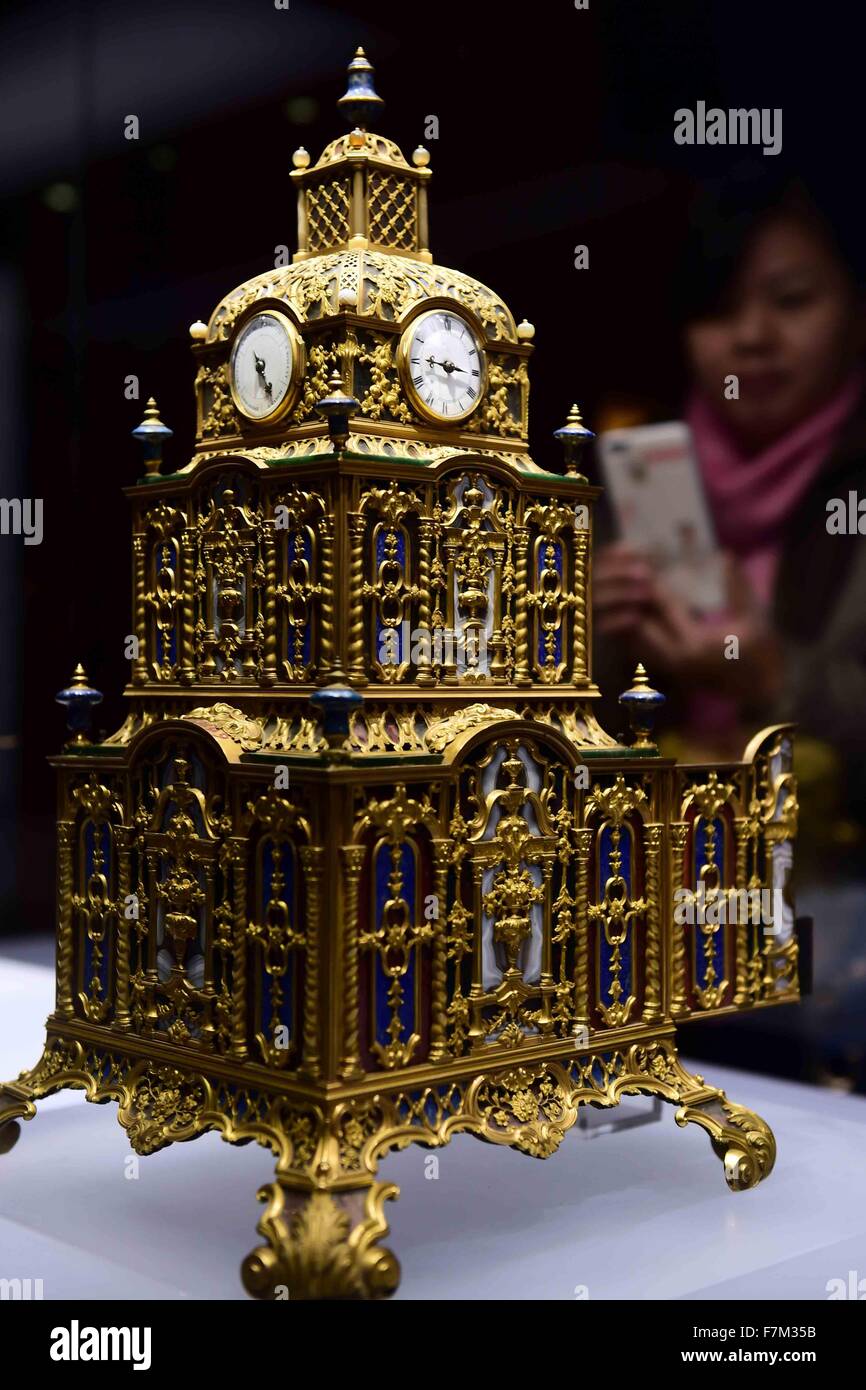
x=79, y=697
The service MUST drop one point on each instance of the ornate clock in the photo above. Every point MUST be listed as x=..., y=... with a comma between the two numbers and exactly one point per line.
x=361, y=867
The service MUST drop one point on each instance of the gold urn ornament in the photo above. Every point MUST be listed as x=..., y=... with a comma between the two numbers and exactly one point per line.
x=361, y=867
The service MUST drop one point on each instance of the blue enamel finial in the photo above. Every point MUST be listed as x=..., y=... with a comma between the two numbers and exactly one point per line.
x=152, y=434
x=642, y=704
x=574, y=437
x=361, y=100
x=338, y=409
x=337, y=704
x=79, y=698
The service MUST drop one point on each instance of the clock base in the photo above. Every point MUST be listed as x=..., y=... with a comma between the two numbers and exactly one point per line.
x=324, y=1212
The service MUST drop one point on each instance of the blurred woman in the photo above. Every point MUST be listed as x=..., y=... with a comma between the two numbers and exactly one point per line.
x=767, y=298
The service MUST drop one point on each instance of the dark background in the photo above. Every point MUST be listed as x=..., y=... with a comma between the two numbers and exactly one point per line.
x=556, y=128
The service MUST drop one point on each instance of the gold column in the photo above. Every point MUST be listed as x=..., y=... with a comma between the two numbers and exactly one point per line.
x=652, y=1008
x=583, y=841
x=521, y=610
x=353, y=857
x=424, y=674
x=139, y=551
x=123, y=837
x=65, y=840
x=269, y=672
x=438, y=995
x=581, y=550
x=311, y=857
x=329, y=663
x=239, y=956
x=741, y=939
x=476, y=989
x=358, y=216
x=357, y=662
x=679, y=1001
x=546, y=979
x=187, y=616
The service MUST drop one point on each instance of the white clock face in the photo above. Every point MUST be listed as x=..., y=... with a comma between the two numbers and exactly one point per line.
x=444, y=366
x=262, y=369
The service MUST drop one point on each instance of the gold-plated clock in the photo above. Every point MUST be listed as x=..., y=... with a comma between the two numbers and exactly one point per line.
x=266, y=366
x=443, y=366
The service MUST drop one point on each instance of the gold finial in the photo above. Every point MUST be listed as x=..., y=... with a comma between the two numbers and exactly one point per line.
x=525, y=331
x=640, y=677
x=79, y=678
x=198, y=331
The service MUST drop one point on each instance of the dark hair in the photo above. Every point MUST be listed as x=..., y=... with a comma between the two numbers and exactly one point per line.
x=724, y=218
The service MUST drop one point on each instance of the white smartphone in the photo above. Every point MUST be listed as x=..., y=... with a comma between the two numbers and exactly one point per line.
x=652, y=477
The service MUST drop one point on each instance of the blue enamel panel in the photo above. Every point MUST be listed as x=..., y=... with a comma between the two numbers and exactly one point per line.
x=701, y=846
x=625, y=950
x=93, y=836
x=301, y=550
x=716, y=942
x=393, y=651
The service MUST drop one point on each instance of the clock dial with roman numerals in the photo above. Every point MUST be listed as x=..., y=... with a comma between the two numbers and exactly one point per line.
x=443, y=366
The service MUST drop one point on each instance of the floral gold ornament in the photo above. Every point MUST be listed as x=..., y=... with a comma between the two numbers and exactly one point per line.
x=361, y=868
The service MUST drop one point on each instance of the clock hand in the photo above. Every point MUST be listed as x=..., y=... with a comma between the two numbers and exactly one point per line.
x=260, y=368
x=449, y=366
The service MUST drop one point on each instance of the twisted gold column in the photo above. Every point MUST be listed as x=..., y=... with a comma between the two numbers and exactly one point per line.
x=679, y=1000
x=356, y=655
x=581, y=551
x=239, y=954
x=652, y=1008
x=424, y=673
x=353, y=861
x=187, y=611
x=741, y=939
x=438, y=994
x=583, y=841
x=330, y=666
x=65, y=839
x=269, y=663
x=311, y=857
x=139, y=552
x=521, y=608
x=123, y=837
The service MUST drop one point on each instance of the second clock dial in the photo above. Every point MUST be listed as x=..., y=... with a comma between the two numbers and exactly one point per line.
x=443, y=367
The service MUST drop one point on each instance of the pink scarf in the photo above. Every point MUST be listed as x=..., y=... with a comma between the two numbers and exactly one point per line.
x=752, y=498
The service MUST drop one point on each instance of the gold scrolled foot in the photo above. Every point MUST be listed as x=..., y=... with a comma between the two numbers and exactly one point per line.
x=15, y=1105
x=322, y=1244
x=741, y=1139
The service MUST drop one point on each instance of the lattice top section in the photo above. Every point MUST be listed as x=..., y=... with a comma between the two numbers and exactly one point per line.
x=362, y=192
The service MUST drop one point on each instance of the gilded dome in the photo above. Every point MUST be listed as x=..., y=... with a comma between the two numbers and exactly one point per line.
x=373, y=284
